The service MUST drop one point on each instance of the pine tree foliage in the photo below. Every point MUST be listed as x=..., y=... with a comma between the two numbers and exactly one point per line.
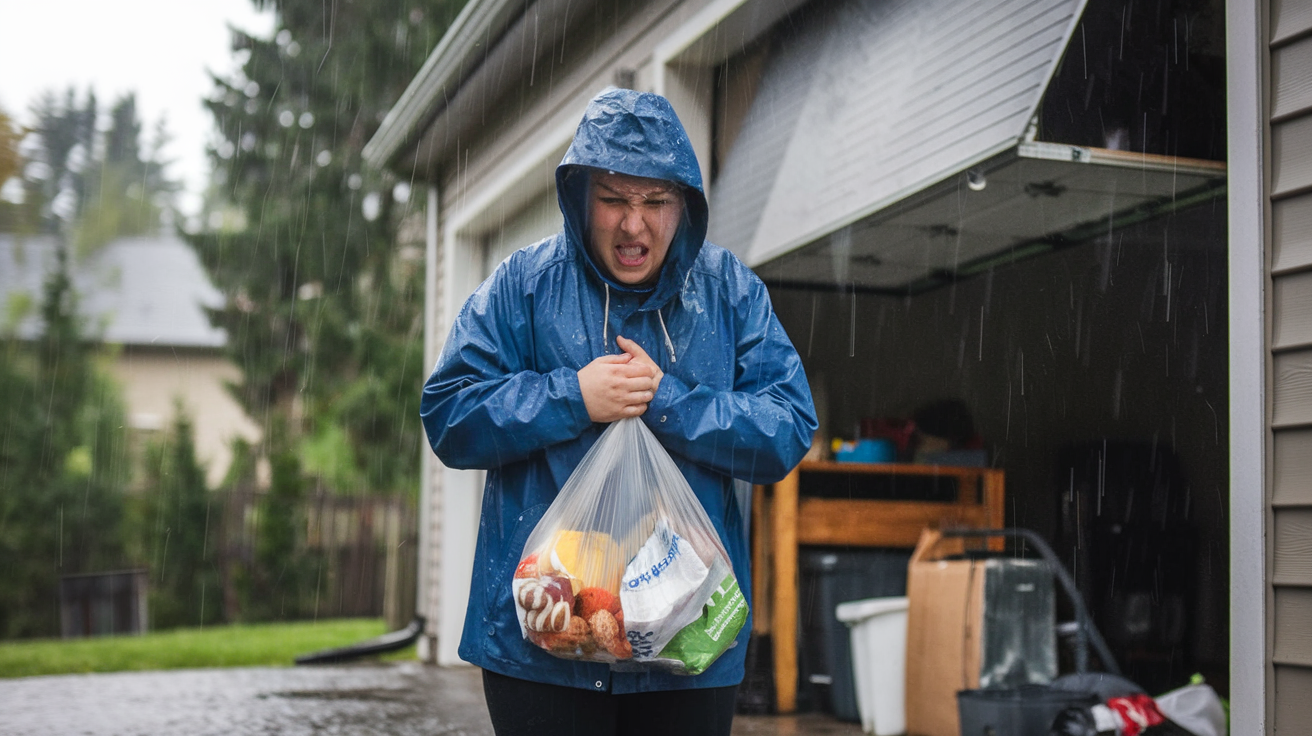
x=79, y=180
x=180, y=529
x=128, y=192
x=63, y=465
x=323, y=312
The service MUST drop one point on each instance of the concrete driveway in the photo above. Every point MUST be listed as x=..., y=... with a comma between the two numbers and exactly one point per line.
x=397, y=699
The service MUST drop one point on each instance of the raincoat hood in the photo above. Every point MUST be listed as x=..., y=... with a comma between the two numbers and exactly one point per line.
x=634, y=133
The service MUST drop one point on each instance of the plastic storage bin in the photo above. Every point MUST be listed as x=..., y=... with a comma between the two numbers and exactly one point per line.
x=1024, y=711
x=828, y=577
x=879, y=653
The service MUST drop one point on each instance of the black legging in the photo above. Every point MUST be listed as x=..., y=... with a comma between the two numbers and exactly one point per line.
x=523, y=708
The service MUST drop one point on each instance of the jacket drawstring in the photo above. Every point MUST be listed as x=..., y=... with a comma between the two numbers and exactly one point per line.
x=605, y=324
x=605, y=329
x=669, y=344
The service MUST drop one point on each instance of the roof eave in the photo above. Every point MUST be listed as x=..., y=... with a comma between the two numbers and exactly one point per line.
x=477, y=25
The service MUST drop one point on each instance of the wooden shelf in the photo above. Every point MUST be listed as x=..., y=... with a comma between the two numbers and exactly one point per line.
x=783, y=517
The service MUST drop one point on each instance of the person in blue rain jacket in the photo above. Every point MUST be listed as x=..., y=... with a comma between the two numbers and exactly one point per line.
x=627, y=312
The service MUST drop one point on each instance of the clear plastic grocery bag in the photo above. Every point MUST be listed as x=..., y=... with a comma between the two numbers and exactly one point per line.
x=625, y=567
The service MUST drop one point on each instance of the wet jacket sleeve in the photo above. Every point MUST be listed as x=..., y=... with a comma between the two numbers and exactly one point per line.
x=483, y=407
x=760, y=430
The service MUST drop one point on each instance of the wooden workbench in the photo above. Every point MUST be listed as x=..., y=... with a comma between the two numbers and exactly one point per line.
x=783, y=517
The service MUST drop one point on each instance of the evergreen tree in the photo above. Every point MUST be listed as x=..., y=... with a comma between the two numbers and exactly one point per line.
x=80, y=182
x=65, y=133
x=63, y=465
x=278, y=586
x=323, y=313
x=127, y=190
x=180, y=527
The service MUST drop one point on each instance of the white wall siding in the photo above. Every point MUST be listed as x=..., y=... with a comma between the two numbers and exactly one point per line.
x=541, y=218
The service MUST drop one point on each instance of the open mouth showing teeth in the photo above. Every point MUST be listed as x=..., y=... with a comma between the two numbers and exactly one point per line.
x=631, y=255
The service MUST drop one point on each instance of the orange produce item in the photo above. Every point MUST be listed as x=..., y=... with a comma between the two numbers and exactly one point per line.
x=590, y=600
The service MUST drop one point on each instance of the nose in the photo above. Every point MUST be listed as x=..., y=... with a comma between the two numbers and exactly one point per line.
x=632, y=222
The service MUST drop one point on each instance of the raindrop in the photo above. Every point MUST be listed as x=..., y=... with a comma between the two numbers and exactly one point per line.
x=976, y=180
x=307, y=119
x=12, y=191
x=252, y=88
x=293, y=49
x=851, y=337
x=354, y=181
x=324, y=158
x=286, y=118
x=284, y=36
x=252, y=107
x=38, y=170
x=230, y=99
x=226, y=149
x=247, y=141
x=981, y=334
x=64, y=204
x=401, y=192
x=370, y=206
x=77, y=158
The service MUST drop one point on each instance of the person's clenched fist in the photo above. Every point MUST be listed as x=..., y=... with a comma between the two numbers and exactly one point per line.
x=615, y=387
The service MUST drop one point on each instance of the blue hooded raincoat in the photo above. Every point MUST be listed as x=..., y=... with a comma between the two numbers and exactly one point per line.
x=734, y=401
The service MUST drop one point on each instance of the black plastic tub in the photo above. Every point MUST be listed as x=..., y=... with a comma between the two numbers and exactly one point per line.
x=828, y=576
x=1024, y=711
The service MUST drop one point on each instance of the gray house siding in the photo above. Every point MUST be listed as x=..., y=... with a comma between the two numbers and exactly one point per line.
x=1290, y=191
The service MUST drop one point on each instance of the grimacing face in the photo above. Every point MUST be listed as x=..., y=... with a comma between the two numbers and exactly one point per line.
x=632, y=221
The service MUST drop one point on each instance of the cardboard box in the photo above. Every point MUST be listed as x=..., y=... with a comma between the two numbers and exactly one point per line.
x=972, y=623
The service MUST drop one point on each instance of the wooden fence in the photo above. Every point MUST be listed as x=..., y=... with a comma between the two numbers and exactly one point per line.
x=366, y=551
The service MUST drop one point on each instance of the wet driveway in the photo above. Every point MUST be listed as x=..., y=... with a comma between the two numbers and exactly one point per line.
x=397, y=699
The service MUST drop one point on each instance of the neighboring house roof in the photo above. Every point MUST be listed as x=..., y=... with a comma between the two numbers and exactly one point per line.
x=132, y=291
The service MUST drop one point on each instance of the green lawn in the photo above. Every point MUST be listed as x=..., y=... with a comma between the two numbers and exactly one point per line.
x=212, y=646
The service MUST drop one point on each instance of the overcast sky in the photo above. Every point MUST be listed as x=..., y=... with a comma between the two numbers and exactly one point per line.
x=160, y=49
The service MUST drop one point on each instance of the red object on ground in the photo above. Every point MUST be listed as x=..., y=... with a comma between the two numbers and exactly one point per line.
x=1137, y=712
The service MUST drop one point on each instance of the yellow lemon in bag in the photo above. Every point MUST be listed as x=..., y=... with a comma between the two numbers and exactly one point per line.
x=589, y=559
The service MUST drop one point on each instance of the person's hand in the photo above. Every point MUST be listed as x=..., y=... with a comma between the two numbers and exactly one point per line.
x=640, y=356
x=615, y=387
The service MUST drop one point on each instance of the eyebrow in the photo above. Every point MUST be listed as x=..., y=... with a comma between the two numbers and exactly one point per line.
x=662, y=192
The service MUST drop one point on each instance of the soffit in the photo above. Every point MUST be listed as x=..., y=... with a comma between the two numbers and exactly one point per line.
x=1035, y=198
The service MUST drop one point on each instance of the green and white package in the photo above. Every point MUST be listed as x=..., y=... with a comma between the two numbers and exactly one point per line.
x=701, y=642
